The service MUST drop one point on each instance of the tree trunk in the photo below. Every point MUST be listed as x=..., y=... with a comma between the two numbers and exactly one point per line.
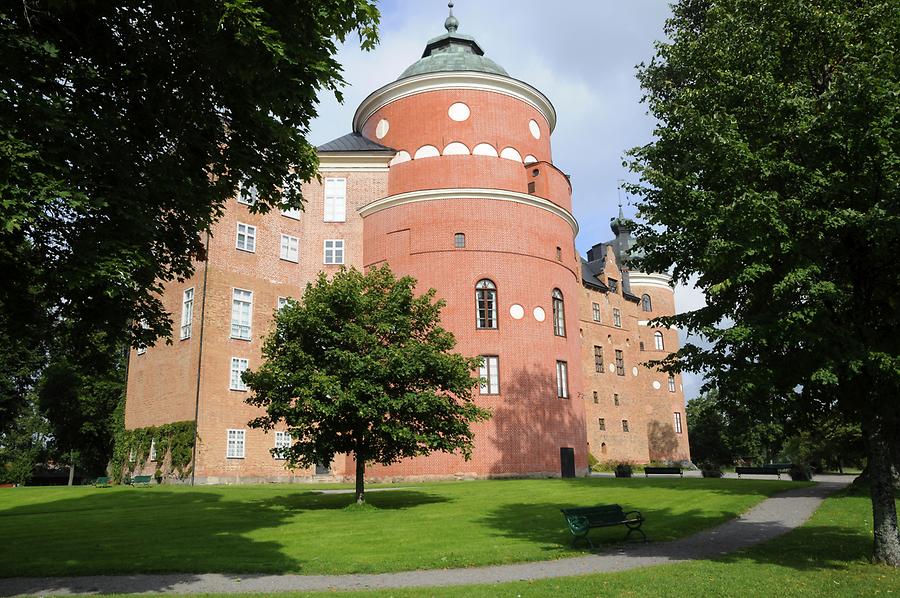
x=881, y=480
x=360, y=480
x=71, y=469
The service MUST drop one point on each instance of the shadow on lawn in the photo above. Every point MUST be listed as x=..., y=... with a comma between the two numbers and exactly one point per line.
x=174, y=532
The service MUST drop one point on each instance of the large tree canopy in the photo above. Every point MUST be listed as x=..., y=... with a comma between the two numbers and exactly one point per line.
x=125, y=126
x=362, y=366
x=774, y=178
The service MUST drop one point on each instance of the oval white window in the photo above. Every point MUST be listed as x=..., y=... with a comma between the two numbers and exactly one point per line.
x=534, y=128
x=484, y=149
x=634, y=371
x=516, y=311
x=529, y=159
x=511, y=154
x=657, y=385
x=539, y=314
x=458, y=111
x=382, y=129
x=456, y=149
x=427, y=151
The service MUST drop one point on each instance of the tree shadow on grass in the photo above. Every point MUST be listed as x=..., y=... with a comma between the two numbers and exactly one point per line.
x=315, y=501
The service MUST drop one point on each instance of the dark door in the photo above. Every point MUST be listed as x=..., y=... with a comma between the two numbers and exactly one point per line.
x=567, y=461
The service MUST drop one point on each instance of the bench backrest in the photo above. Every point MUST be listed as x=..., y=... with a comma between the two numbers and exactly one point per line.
x=662, y=470
x=598, y=514
x=141, y=479
x=765, y=469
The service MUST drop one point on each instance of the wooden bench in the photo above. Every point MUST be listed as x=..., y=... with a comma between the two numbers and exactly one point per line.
x=663, y=471
x=141, y=480
x=765, y=470
x=101, y=482
x=582, y=519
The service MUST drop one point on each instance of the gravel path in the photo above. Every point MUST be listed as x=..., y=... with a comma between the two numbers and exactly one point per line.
x=769, y=519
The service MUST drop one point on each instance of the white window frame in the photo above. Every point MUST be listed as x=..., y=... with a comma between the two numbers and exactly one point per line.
x=617, y=317
x=253, y=194
x=152, y=455
x=678, y=427
x=234, y=381
x=235, y=444
x=595, y=312
x=282, y=441
x=335, y=192
x=489, y=372
x=658, y=341
x=292, y=213
x=245, y=240
x=187, y=313
x=562, y=380
x=242, y=335
x=290, y=248
x=281, y=302
x=671, y=383
x=335, y=250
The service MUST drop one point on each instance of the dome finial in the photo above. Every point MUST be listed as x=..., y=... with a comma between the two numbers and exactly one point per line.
x=451, y=24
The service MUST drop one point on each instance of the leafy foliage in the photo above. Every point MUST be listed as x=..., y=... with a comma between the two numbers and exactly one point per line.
x=174, y=444
x=774, y=178
x=24, y=445
x=362, y=366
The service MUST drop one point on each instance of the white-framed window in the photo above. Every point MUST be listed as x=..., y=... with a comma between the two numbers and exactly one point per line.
x=282, y=442
x=490, y=375
x=559, y=314
x=595, y=311
x=617, y=317
x=658, y=341
x=335, y=200
x=152, y=455
x=290, y=248
x=246, y=237
x=238, y=366
x=241, y=310
x=671, y=383
x=282, y=301
x=249, y=197
x=677, y=422
x=142, y=348
x=334, y=251
x=562, y=380
x=646, y=302
x=292, y=213
x=486, y=304
x=187, y=313
x=235, y=448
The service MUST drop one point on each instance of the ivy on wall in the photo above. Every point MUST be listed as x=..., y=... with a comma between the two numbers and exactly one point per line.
x=174, y=449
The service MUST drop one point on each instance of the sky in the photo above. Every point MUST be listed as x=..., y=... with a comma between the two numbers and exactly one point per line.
x=581, y=54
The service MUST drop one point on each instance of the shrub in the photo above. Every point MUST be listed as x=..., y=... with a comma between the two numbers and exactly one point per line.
x=623, y=470
x=710, y=470
x=801, y=473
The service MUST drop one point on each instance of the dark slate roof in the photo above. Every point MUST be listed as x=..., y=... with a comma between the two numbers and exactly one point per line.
x=589, y=272
x=353, y=142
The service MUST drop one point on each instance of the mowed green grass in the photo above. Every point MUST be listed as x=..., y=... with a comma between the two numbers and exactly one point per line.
x=826, y=557
x=281, y=528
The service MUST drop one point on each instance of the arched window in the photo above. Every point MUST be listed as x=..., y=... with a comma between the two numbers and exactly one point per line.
x=559, y=314
x=646, y=304
x=658, y=339
x=486, y=303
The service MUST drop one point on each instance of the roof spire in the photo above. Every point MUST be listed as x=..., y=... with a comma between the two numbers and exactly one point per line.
x=451, y=24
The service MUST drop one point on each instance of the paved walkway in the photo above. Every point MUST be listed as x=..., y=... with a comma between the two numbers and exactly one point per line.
x=769, y=519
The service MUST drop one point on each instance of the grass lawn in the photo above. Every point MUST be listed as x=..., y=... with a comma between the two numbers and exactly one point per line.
x=281, y=528
x=828, y=556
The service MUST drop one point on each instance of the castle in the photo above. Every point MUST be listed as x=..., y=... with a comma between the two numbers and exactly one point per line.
x=448, y=177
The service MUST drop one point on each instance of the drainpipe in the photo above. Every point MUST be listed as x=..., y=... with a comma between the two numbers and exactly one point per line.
x=199, y=362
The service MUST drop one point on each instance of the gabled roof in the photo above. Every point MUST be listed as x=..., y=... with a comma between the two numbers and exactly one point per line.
x=353, y=142
x=589, y=272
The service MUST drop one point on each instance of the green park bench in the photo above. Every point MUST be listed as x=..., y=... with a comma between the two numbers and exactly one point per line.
x=648, y=471
x=764, y=470
x=101, y=482
x=582, y=519
x=141, y=480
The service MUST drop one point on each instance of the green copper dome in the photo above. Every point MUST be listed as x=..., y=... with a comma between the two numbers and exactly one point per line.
x=453, y=52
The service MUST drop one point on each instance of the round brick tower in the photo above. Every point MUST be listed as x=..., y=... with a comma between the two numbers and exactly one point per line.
x=477, y=210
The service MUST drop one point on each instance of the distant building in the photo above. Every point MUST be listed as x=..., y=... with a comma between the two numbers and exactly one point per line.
x=448, y=177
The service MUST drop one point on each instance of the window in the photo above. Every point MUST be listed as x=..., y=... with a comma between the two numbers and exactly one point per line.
x=559, y=314
x=559, y=254
x=613, y=285
x=238, y=365
x=617, y=317
x=323, y=468
x=290, y=248
x=616, y=399
x=620, y=363
x=486, y=304
x=625, y=425
x=241, y=307
x=646, y=303
x=187, y=313
x=658, y=341
x=282, y=442
x=595, y=311
x=282, y=301
x=142, y=348
x=248, y=197
x=601, y=423
x=598, y=359
x=596, y=398
x=334, y=251
x=562, y=380
x=246, y=237
x=671, y=383
x=235, y=444
x=335, y=200
x=152, y=455
x=531, y=187
x=677, y=423
x=641, y=344
x=459, y=240
x=489, y=374
x=293, y=213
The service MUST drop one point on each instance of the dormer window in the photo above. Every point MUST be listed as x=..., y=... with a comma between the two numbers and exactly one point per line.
x=613, y=285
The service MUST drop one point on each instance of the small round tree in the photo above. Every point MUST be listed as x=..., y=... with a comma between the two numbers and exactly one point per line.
x=361, y=366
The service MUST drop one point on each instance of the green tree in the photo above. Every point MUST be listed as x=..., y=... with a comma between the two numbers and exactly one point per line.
x=361, y=366
x=125, y=127
x=774, y=178
x=24, y=444
x=709, y=437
